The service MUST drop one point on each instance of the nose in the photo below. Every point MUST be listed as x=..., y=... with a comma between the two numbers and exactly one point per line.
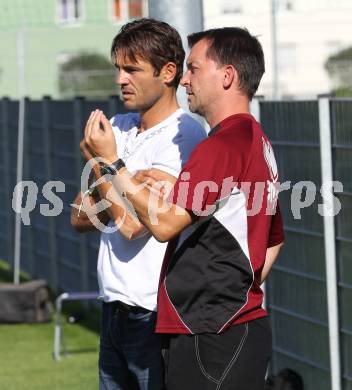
x=185, y=79
x=121, y=77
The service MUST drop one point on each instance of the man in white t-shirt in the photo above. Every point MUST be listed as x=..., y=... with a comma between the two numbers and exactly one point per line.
x=149, y=57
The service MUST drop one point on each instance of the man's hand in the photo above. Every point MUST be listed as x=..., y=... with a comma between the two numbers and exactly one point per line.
x=83, y=222
x=85, y=151
x=156, y=180
x=99, y=137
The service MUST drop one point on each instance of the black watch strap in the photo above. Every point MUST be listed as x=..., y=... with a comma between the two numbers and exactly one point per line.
x=113, y=168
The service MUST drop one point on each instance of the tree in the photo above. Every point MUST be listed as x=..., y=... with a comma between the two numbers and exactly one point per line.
x=339, y=68
x=87, y=74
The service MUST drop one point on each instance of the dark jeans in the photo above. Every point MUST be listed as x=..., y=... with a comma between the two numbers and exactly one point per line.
x=234, y=360
x=130, y=352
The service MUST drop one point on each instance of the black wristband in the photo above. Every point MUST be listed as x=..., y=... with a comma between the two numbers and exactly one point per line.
x=113, y=168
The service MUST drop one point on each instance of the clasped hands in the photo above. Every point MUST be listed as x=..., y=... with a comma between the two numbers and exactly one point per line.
x=99, y=141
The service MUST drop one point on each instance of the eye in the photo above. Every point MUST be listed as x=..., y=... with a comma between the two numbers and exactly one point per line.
x=131, y=69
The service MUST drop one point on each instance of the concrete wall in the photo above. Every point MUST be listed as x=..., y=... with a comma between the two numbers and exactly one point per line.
x=47, y=42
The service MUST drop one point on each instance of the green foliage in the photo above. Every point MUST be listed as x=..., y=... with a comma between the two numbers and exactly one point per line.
x=6, y=273
x=343, y=92
x=87, y=74
x=339, y=68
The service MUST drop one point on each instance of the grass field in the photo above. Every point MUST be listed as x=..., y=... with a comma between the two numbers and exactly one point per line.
x=26, y=361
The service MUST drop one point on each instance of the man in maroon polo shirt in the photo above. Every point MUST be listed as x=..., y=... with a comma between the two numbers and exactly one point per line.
x=222, y=220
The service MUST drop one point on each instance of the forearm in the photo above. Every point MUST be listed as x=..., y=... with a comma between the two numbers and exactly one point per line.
x=85, y=217
x=164, y=220
x=81, y=219
x=271, y=255
x=128, y=224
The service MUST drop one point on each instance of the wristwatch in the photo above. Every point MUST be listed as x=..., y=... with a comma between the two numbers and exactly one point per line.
x=113, y=168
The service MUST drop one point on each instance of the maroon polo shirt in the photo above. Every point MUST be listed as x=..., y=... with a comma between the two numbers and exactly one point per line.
x=210, y=278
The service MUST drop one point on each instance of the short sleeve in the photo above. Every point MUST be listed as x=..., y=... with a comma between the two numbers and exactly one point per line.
x=276, y=234
x=172, y=155
x=121, y=123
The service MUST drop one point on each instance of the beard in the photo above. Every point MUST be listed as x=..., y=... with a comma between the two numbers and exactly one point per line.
x=196, y=108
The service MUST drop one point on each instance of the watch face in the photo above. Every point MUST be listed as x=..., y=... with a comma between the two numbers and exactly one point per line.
x=107, y=170
x=112, y=169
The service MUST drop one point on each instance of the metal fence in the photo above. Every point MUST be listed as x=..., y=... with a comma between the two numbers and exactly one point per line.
x=300, y=290
x=297, y=286
x=301, y=309
x=50, y=248
x=341, y=126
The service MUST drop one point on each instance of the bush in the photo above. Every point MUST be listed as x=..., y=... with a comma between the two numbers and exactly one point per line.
x=87, y=74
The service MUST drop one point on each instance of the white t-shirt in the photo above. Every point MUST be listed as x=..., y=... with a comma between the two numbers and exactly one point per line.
x=128, y=270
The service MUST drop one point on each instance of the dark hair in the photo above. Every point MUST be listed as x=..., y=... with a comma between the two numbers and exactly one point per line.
x=152, y=40
x=237, y=47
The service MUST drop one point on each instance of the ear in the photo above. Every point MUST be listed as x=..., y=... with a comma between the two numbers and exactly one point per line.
x=230, y=76
x=168, y=72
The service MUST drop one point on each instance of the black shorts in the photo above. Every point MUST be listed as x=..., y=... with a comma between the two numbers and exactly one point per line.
x=234, y=360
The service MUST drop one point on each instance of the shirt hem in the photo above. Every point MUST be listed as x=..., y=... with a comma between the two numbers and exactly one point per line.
x=107, y=299
x=245, y=318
